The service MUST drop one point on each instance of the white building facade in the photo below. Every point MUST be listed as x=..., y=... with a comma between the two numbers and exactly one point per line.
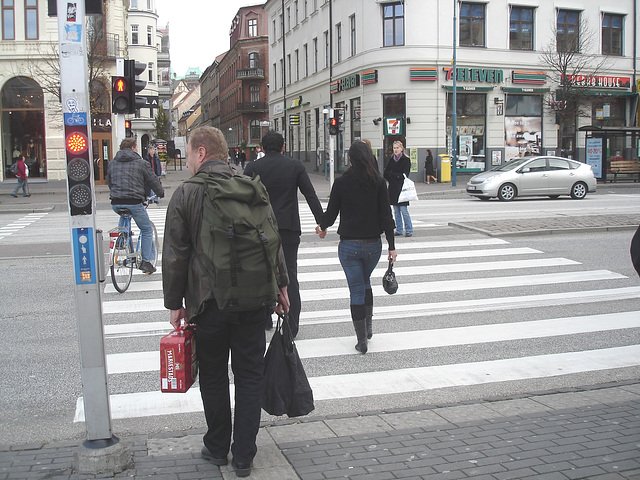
x=388, y=64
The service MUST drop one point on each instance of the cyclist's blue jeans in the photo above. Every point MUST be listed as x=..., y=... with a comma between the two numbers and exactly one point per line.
x=139, y=214
x=358, y=259
x=401, y=213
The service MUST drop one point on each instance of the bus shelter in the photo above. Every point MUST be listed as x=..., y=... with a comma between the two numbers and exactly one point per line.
x=604, y=144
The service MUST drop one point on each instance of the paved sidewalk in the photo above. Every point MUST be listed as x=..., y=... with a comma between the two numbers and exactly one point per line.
x=589, y=433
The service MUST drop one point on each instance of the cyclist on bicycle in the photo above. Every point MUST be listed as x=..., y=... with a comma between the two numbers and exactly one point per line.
x=130, y=180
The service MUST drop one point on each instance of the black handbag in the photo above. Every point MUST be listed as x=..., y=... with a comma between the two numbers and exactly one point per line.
x=389, y=282
x=286, y=388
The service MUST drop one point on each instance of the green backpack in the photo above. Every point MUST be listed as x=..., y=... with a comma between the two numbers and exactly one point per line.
x=240, y=242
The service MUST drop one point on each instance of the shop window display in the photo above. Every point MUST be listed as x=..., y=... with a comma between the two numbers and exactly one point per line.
x=23, y=126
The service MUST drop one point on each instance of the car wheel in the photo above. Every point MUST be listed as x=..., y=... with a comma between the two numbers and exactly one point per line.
x=507, y=192
x=579, y=191
x=554, y=196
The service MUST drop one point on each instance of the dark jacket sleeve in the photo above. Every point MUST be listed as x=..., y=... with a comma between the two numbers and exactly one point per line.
x=306, y=187
x=635, y=251
x=177, y=249
x=333, y=208
x=386, y=219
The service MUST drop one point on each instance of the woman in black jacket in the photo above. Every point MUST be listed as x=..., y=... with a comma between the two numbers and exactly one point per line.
x=360, y=197
x=398, y=166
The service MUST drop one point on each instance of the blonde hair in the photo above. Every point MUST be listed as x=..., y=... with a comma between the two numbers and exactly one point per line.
x=399, y=143
x=212, y=140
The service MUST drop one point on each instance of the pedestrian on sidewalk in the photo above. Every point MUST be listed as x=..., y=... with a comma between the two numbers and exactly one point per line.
x=154, y=160
x=283, y=177
x=185, y=278
x=428, y=168
x=360, y=197
x=397, y=168
x=22, y=173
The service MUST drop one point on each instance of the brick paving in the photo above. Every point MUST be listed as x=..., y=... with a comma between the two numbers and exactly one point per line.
x=580, y=433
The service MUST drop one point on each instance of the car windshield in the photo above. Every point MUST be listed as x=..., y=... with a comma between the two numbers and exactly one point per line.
x=511, y=164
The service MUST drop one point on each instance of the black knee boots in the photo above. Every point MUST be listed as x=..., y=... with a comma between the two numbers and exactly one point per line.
x=368, y=305
x=358, y=318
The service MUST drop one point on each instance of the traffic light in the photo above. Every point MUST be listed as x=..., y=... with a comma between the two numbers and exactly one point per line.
x=78, y=169
x=127, y=129
x=131, y=70
x=333, y=126
x=120, y=95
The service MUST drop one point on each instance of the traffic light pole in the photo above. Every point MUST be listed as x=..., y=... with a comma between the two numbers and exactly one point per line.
x=86, y=241
x=332, y=149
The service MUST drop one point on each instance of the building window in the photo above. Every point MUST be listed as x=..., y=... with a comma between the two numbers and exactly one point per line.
x=326, y=49
x=281, y=22
x=289, y=69
x=568, y=31
x=288, y=18
x=305, y=9
x=472, y=24
x=254, y=131
x=8, y=25
x=254, y=91
x=133, y=4
x=31, y=19
x=352, y=24
x=275, y=77
x=282, y=71
x=295, y=13
x=315, y=5
x=275, y=35
x=393, y=17
x=521, y=28
x=612, y=34
x=253, y=27
x=306, y=60
x=148, y=4
x=150, y=69
x=315, y=55
x=134, y=34
x=297, y=65
x=253, y=60
x=339, y=42
x=149, y=35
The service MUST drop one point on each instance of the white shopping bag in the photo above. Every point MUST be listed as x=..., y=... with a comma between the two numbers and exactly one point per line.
x=408, y=193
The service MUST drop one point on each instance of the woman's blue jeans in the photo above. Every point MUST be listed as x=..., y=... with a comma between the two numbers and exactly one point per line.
x=358, y=259
x=401, y=213
x=140, y=216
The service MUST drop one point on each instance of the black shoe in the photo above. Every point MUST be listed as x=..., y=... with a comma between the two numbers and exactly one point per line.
x=147, y=268
x=206, y=454
x=14, y=195
x=242, y=469
x=408, y=234
x=398, y=234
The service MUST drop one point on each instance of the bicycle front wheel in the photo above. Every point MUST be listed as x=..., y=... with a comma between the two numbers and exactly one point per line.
x=156, y=245
x=122, y=263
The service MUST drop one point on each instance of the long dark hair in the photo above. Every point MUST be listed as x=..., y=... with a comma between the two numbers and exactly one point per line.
x=363, y=164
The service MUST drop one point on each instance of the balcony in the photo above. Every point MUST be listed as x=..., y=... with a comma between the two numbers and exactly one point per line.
x=245, y=107
x=250, y=74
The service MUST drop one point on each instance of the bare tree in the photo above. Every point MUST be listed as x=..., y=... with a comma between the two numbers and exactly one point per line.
x=569, y=57
x=43, y=65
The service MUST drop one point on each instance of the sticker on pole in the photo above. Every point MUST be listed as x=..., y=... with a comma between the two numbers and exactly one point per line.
x=83, y=256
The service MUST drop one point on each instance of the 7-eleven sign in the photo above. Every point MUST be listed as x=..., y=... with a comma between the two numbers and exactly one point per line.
x=393, y=126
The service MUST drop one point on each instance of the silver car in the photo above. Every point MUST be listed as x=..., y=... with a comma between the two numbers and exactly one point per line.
x=534, y=176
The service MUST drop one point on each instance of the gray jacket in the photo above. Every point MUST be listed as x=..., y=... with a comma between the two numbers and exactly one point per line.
x=130, y=178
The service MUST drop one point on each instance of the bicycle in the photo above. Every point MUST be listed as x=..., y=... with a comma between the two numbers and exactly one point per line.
x=122, y=257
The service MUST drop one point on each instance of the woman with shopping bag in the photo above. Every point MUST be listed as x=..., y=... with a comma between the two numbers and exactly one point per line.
x=398, y=167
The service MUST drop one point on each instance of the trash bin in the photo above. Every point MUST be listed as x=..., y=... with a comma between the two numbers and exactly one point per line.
x=444, y=168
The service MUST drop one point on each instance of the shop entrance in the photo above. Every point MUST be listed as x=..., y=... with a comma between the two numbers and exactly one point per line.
x=102, y=153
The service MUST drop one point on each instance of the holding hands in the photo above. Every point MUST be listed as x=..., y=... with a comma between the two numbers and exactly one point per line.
x=321, y=233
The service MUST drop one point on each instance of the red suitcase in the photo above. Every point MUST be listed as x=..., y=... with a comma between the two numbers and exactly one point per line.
x=178, y=362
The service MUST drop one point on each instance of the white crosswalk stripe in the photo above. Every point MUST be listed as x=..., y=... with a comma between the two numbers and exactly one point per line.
x=21, y=223
x=487, y=274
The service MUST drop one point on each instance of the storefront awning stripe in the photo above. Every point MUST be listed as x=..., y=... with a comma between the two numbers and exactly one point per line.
x=468, y=89
x=524, y=90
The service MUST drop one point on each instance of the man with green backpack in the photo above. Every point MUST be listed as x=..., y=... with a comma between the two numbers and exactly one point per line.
x=222, y=256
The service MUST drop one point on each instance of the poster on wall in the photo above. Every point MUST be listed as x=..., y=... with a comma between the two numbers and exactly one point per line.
x=496, y=157
x=466, y=145
x=594, y=155
x=523, y=136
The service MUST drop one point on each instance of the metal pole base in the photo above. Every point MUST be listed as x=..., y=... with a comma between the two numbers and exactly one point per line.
x=95, y=457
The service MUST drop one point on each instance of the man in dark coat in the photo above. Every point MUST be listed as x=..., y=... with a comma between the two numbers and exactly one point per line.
x=635, y=251
x=283, y=177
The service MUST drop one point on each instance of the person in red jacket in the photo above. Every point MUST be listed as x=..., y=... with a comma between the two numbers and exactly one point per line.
x=21, y=173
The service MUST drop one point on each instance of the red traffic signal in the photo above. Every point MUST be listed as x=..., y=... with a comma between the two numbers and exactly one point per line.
x=127, y=129
x=120, y=95
x=333, y=126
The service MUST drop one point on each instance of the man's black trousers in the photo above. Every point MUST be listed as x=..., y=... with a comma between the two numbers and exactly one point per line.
x=290, y=244
x=216, y=335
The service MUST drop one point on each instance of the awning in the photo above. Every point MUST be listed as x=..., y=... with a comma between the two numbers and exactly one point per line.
x=524, y=90
x=468, y=89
